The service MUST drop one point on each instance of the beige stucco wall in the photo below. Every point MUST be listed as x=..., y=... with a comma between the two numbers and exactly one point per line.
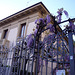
x=12, y=35
x=30, y=28
x=0, y=35
x=30, y=23
x=15, y=27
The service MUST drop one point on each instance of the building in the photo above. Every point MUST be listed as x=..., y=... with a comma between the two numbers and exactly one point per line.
x=20, y=25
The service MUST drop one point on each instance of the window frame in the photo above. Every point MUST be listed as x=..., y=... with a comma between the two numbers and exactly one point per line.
x=23, y=30
x=5, y=33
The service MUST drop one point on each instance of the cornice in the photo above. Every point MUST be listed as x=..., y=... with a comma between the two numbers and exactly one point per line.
x=25, y=12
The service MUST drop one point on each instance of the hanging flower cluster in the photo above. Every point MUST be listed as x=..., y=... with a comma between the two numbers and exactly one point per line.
x=60, y=12
x=30, y=41
x=41, y=24
x=59, y=17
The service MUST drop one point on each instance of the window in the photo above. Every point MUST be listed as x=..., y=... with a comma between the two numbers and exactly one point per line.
x=5, y=33
x=23, y=29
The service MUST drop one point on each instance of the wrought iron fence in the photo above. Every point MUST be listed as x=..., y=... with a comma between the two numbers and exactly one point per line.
x=49, y=56
x=44, y=56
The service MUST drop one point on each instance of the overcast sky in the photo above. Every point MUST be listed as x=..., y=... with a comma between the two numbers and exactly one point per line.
x=9, y=7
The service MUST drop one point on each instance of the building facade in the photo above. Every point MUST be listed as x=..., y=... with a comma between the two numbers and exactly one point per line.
x=21, y=23
x=18, y=25
x=15, y=27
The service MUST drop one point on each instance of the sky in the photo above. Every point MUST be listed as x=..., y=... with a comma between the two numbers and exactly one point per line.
x=9, y=7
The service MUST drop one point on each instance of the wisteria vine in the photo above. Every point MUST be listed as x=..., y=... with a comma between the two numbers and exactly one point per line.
x=43, y=24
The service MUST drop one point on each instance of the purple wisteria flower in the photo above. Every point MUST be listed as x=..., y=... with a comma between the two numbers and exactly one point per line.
x=59, y=20
x=59, y=15
x=39, y=21
x=51, y=27
x=35, y=32
x=30, y=41
x=37, y=26
x=60, y=11
x=29, y=36
x=66, y=13
x=36, y=21
x=48, y=19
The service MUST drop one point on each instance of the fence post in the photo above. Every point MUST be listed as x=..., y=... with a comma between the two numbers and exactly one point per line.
x=71, y=52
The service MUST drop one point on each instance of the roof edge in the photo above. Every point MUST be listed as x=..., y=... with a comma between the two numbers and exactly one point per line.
x=24, y=10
